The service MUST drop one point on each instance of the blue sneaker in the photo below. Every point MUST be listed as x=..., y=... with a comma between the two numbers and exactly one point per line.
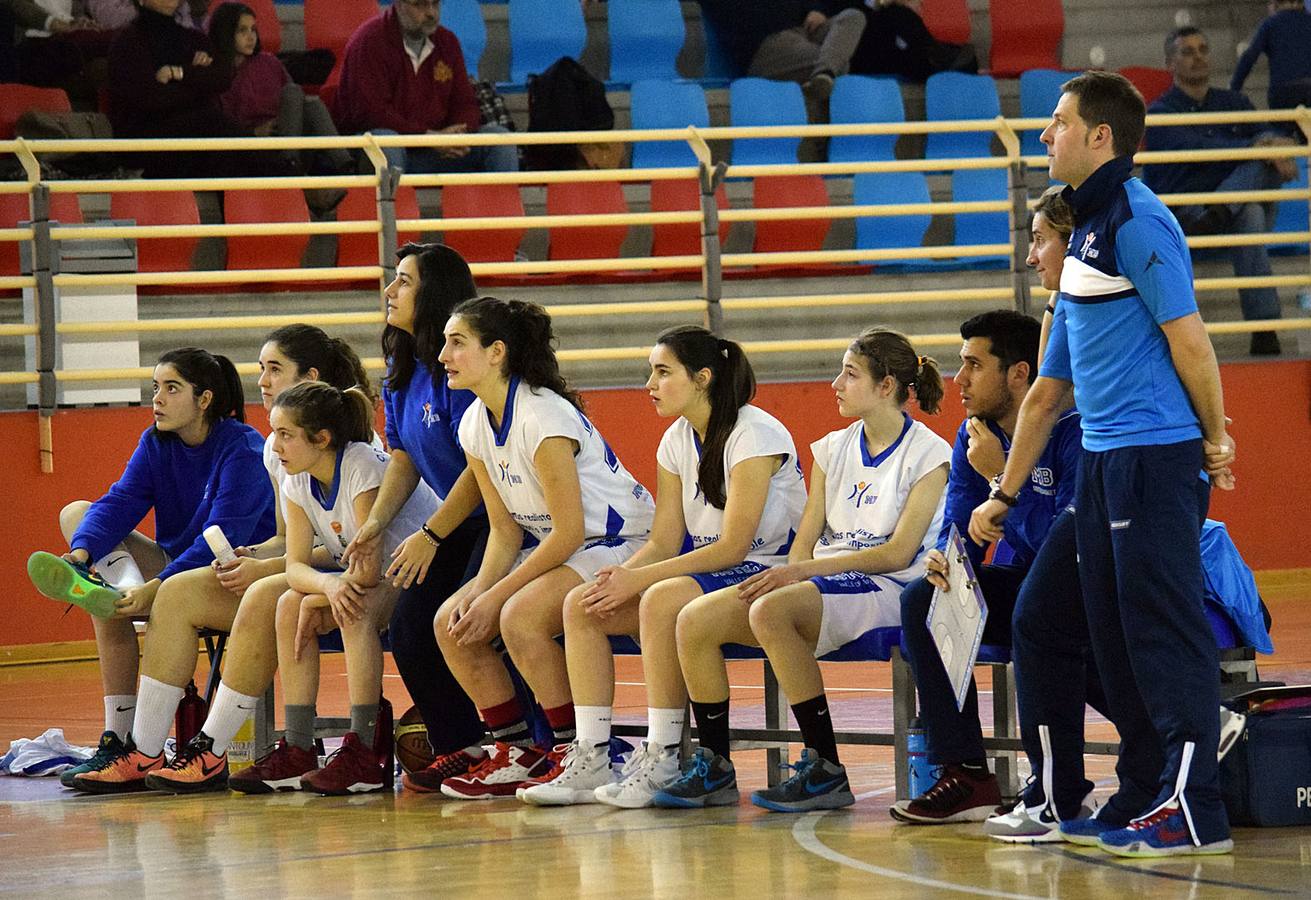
x=1087, y=831
x=707, y=780
x=110, y=747
x=817, y=784
x=1163, y=833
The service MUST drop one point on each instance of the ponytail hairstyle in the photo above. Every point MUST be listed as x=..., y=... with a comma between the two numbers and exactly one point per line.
x=889, y=352
x=444, y=282
x=309, y=347
x=525, y=329
x=223, y=24
x=732, y=385
x=209, y=372
x=316, y=406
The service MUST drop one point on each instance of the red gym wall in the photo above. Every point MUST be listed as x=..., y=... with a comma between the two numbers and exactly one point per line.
x=1270, y=404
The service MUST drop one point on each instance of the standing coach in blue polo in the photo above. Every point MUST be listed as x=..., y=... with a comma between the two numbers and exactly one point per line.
x=1128, y=340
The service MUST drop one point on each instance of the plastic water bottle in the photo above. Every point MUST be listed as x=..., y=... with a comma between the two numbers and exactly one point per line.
x=920, y=773
x=191, y=713
x=241, y=751
x=219, y=546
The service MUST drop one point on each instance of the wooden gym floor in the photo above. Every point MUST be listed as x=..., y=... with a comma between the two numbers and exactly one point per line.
x=56, y=843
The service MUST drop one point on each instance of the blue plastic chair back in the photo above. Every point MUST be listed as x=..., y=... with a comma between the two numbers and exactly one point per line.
x=1291, y=215
x=645, y=37
x=861, y=99
x=667, y=104
x=465, y=19
x=1040, y=89
x=758, y=101
x=542, y=31
x=884, y=232
x=981, y=228
x=953, y=96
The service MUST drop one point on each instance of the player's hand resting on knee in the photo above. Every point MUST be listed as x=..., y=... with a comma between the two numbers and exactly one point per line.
x=773, y=578
x=614, y=586
x=475, y=620
x=346, y=599
x=315, y=619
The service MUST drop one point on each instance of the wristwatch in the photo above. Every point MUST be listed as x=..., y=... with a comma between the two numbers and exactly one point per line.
x=998, y=494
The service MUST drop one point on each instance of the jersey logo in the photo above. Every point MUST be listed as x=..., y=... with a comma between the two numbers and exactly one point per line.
x=1087, y=249
x=441, y=73
x=430, y=418
x=508, y=477
x=1152, y=260
x=858, y=495
x=1043, y=477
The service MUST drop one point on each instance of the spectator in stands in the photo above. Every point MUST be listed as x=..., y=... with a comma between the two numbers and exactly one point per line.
x=789, y=40
x=163, y=83
x=897, y=42
x=1285, y=38
x=115, y=14
x=1187, y=56
x=63, y=47
x=262, y=96
x=999, y=361
x=404, y=74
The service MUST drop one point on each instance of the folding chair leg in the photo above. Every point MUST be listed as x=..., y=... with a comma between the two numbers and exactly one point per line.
x=903, y=710
x=264, y=721
x=1004, y=719
x=776, y=710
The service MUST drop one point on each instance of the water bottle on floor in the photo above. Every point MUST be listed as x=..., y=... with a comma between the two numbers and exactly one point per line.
x=917, y=755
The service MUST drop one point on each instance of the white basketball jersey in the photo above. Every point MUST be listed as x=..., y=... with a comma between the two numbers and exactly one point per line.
x=359, y=468
x=614, y=504
x=756, y=433
x=279, y=474
x=864, y=495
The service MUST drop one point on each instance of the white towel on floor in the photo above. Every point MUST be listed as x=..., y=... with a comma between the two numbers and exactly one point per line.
x=48, y=754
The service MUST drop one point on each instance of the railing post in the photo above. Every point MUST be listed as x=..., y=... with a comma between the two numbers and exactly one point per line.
x=44, y=263
x=1019, y=214
x=1304, y=123
x=710, y=175
x=388, y=180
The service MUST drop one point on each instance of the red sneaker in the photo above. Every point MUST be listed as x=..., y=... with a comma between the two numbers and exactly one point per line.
x=499, y=775
x=353, y=769
x=556, y=755
x=279, y=770
x=448, y=765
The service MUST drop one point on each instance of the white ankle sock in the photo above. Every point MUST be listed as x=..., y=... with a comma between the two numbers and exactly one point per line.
x=120, y=569
x=592, y=724
x=118, y=713
x=664, y=727
x=157, y=703
x=226, y=716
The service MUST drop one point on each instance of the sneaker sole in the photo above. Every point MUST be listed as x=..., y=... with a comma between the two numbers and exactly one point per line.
x=55, y=577
x=573, y=798
x=1047, y=837
x=1142, y=850
x=628, y=802
x=281, y=785
x=836, y=800
x=109, y=787
x=1083, y=840
x=512, y=790
x=356, y=788
x=979, y=814
x=721, y=797
x=163, y=785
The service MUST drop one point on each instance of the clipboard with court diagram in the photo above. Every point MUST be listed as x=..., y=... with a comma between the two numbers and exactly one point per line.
x=957, y=616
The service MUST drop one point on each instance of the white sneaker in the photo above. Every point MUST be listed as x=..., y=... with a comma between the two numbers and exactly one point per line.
x=1231, y=729
x=649, y=769
x=582, y=771
x=1031, y=824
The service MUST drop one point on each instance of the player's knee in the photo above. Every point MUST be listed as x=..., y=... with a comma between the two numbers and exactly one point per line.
x=576, y=616
x=71, y=516
x=915, y=600
x=659, y=606
x=694, y=624
x=765, y=615
x=288, y=612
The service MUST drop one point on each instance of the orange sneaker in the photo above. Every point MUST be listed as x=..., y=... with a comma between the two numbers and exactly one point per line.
x=122, y=773
x=196, y=768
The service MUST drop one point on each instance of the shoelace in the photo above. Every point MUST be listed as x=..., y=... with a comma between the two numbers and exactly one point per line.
x=947, y=790
x=801, y=770
x=700, y=769
x=185, y=757
x=497, y=760
x=1153, y=820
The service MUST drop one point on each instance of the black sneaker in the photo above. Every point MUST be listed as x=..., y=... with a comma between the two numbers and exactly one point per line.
x=110, y=746
x=707, y=780
x=817, y=784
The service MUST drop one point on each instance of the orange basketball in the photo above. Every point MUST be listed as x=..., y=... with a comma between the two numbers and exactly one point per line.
x=412, y=749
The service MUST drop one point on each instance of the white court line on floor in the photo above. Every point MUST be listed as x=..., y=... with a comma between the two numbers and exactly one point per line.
x=803, y=832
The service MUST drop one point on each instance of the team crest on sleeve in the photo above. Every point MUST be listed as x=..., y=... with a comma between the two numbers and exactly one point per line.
x=860, y=494
x=442, y=72
x=1087, y=250
x=430, y=418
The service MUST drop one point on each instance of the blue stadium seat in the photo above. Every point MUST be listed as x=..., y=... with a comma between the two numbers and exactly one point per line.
x=758, y=101
x=1040, y=89
x=1291, y=215
x=542, y=31
x=666, y=104
x=883, y=232
x=860, y=99
x=953, y=96
x=645, y=37
x=720, y=68
x=465, y=19
x=981, y=228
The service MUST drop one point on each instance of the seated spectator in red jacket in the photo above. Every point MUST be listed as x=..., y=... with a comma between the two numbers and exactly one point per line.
x=163, y=84
x=405, y=74
x=263, y=98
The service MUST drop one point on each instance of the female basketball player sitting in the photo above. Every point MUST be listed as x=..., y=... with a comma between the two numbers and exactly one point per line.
x=729, y=480
x=876, y=501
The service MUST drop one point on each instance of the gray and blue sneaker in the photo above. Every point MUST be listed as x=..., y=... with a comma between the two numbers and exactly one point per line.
x=707, y=780
x=110, y=746
x=68, y=582
x=816, y=784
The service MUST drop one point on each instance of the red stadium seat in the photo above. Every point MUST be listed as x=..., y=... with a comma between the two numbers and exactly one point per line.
x=947, y=20
x=677, y=196
x=16, y=99
x=1026, y=34
x=266, y=20
x=262, y=252
x=159, y=208
x=588, y=197
x=1151, y=83
x=794, y=235
x=360, y=204
x=463, y=201
x=329, y=25
x=14, y=208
